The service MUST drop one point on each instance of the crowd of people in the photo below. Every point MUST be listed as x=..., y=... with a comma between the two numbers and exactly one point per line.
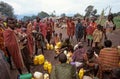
x=20, y=42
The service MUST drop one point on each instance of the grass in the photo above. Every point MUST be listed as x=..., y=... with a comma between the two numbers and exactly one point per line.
x=117, y=21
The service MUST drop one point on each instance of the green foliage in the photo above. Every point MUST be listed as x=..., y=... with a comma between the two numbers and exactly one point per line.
x=52, y=15
x=33, y=17
x=25, y=18
x=63, y=15
x=88, y=10
x=116, y=14
x=6, y=9
x=43, y=14
x=94, y=12
x=77, y=15
x=117, y=21
x=102, y=22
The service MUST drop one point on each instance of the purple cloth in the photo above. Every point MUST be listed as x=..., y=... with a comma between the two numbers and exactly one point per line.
x=78, y=55
x=72, y=63
x=4, y=68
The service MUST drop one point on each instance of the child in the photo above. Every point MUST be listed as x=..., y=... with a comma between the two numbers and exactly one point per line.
x=25, y=50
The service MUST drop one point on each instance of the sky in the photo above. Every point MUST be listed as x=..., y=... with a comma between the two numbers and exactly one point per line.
x=24, y=7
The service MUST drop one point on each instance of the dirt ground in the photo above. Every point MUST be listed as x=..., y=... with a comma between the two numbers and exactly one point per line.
x=49, y=54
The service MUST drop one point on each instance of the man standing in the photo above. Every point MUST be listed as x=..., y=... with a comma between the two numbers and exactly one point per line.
x=79, y=30
x=90, y=29
x=11, y=43
x=40, y=42
x=70, y=28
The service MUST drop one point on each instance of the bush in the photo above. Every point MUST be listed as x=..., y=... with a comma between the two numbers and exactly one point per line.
x=117, y=21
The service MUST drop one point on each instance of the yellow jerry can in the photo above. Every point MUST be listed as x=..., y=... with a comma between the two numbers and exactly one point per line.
x=48, y=46
x=41, y=59
x=51, y=47
x=45, y=66
x=81, y=73
x=49, y=67
x=59, y=44
x=36, y=60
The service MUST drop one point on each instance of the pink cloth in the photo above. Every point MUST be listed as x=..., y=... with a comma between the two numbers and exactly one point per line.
x=90, y=29
x=12, y=46
x=35, y=24
x=30, y=39
x=43, y=27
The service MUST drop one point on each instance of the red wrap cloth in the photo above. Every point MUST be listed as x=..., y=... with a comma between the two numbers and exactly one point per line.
x=2, y=47
x=70, y=28
x=12, y=45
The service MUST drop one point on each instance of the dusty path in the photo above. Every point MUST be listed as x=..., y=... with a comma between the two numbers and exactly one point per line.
x=49, y=55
